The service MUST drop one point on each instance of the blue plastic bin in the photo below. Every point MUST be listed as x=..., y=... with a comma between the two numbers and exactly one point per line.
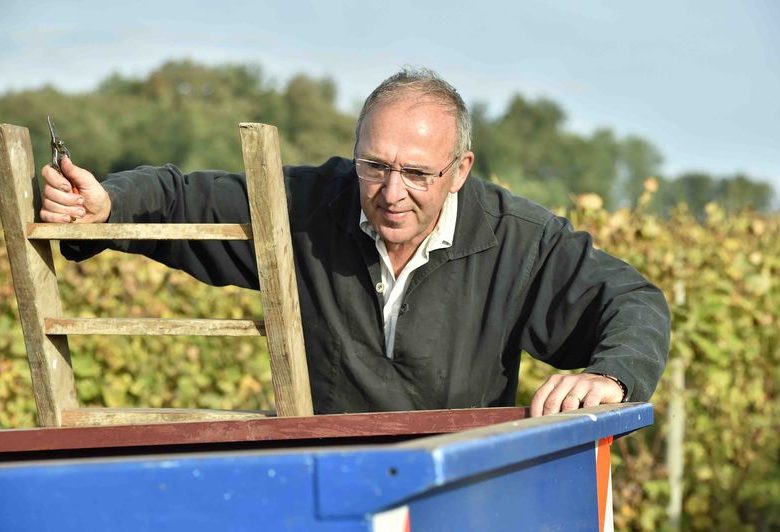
x=549, y=473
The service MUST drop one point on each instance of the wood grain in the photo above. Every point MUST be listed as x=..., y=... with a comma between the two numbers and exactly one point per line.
x=273, y=250
x=77, y=231
x=154, y=326
x=310, y=429
x=86, y=417
x=34, y=278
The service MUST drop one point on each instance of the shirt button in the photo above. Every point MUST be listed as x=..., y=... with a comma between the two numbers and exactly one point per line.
x=404, y=308
x=380, y=288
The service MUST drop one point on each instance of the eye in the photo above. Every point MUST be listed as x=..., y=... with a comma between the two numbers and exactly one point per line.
x=417, y=175
x=374, y=165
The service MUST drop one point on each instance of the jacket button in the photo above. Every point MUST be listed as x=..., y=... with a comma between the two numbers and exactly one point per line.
x=404, y=308
x=380, y=288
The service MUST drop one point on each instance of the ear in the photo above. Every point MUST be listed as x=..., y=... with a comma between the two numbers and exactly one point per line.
x=462, y=171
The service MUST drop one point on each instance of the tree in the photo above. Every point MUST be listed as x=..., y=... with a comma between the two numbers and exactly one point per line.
x=186, y=113
x=593, y=164
x=738, y=193
x=637, y=160
x=314, y=125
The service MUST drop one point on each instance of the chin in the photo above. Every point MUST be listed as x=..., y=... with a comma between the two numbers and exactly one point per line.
x=392, y=235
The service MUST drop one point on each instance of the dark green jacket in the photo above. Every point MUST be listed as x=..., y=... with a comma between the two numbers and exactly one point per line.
x=516, y=277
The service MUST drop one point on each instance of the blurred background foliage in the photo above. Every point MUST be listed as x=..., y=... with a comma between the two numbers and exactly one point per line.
x=186, y=113
x=709, y=241
x=721, y=278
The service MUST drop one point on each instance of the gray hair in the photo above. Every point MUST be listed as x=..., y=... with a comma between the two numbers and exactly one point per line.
x=425, y=82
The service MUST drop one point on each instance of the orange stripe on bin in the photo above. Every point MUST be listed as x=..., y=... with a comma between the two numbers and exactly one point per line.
x=602, y=476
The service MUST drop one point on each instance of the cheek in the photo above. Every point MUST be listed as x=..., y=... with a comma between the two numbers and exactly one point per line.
x=428, y=204
x=366, y=195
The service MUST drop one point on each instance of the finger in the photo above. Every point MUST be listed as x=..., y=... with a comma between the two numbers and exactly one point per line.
x=63, y=198
x=75, y=211
x=542, y=394
x=563, y=393
x=603, y=390
x=576, y=396
x=52, y=217
x=55, y=179
x=79, y=177
x=594, y=397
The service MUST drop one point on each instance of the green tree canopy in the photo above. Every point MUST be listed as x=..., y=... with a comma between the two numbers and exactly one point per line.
x=186, y=113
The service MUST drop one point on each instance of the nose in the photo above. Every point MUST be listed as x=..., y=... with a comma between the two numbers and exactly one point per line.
x=394, y=189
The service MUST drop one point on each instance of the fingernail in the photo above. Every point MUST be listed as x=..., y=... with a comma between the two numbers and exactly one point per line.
x=80, y=200
x=80, y=213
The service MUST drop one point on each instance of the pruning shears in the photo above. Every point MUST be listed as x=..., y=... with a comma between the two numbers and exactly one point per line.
x=58, y=148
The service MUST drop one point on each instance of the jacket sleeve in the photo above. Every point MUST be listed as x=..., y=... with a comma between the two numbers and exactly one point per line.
x=592, y=310
x=165, y=195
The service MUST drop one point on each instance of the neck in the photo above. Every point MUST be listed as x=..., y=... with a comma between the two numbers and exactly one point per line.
x=400, y=255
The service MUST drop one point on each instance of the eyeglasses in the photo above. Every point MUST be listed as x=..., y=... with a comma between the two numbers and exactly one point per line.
x=377, y=172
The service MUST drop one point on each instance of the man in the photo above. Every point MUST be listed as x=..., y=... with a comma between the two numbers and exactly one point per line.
x=418, y=284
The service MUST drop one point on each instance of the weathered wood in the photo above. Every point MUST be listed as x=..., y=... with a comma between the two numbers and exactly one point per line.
x=675, y=439
x=154, y=326
x=34, y=278
x=91, y=417
x=279, y=430
x=273, y=250
x=36, y=285
x=76, y=231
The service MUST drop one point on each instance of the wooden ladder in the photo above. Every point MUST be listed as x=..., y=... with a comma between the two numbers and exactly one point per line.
x=46, y=330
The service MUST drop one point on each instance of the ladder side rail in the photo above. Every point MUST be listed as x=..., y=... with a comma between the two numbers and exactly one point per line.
x=273, y=250
x=34, y=278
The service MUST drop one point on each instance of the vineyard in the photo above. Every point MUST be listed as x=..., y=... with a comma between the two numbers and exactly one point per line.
x=720, y=276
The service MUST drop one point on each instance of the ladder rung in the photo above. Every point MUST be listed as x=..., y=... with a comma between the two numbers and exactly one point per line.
x=55, y=231
x=154, y=326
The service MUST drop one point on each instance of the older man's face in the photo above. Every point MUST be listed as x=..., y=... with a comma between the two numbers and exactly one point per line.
x=411, y=133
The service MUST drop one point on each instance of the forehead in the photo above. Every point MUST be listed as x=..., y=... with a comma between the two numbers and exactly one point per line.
x=412, y=101
x=409, y=119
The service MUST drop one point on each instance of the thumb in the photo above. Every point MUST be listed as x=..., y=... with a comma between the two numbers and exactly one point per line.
x=79, y=177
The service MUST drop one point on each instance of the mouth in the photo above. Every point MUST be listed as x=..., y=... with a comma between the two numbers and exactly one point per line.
x=394, y=216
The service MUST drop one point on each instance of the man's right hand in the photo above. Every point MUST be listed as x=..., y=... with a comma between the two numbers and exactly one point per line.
x=73, y=195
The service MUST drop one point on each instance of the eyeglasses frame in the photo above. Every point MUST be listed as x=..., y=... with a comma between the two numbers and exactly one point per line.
x=429, y=178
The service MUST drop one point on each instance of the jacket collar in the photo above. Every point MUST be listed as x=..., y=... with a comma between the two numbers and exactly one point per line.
x=473, y=232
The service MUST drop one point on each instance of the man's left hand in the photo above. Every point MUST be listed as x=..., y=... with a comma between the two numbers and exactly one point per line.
x=569, y=392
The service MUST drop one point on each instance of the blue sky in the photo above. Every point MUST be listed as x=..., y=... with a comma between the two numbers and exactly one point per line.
x=700, y=80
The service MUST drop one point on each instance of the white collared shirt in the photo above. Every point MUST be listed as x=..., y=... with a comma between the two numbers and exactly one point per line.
x=393, y=289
